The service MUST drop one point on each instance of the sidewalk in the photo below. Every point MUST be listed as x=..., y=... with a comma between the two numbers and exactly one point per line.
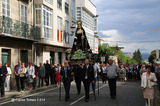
x=15, y=94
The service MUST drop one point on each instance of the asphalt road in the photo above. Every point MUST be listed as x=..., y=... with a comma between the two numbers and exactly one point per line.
x=128, y=94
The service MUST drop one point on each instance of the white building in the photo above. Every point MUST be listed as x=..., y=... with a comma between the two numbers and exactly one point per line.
x=55, y=18
x=86, y=12
x=130, y=55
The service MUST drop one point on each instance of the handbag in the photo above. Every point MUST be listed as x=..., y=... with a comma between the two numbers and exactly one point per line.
x=153, y=84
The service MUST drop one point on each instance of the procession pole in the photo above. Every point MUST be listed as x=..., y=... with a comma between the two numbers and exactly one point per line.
x=60, y=90
x=98, y=84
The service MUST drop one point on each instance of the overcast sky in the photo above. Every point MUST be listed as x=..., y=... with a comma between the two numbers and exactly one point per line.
x=129, y=22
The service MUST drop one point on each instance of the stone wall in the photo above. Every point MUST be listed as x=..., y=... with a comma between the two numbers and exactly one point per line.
x=15, y=46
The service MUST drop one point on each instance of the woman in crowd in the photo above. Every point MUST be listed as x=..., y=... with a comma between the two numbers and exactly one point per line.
x=147, y=83
x=104, y=74
x=8, y=77
x=142, y=70
x=30, y=75
x=130, y=72
x=22, y=73
x=53, y=73
x=122, y=74
x=127, y=71
x=158, y=75
x=135, y=72
x=58, y=79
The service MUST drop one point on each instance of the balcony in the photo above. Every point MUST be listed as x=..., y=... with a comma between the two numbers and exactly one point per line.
x=14, y=28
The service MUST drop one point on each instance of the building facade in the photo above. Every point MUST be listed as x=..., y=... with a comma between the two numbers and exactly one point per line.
x=17, y=33
x=86, y=12
x=55, y=18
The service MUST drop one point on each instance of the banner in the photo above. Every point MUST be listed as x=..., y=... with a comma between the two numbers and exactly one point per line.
x=66, y=37
x=157, y=54
x=59, y=32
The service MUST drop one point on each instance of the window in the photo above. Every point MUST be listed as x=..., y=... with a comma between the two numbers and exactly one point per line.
x=47, y=22
x=60, y=57
x=59, y=4
x=73, y=24
x=6, y=8
x=24, y=25
x=66, y=26
x=49, y=1
x=87, y=19
x=66, y=34
x=23, y=13
x=74, y=9
x=38, y=16
x=66, y=6
x=59, y=29
x=7, y=21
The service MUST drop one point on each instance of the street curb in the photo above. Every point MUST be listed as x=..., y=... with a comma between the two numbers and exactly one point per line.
x=7, y=98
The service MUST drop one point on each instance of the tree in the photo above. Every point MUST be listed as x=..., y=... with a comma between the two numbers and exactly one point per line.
x=139, y=59
x=152, y=56
x=137, y=56
x=123, y=58
x=104, y=51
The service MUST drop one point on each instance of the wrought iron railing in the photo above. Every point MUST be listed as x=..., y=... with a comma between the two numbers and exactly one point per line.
x=19, y=29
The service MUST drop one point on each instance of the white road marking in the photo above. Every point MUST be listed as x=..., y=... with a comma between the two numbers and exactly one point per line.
x=118, y=84
x=84, y=96
x=51, y=90
x=30, y=95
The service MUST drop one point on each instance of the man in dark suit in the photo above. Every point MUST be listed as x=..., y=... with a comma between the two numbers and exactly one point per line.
x=48, y=70
x=3, y=72
x=53, y=74
x=67, y=79
x=87, y=78
x=77, y=71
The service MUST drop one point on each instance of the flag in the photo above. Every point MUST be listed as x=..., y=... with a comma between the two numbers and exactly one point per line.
x=157, y=54
x=154, y=30
x=59, y=35
x=67, y=37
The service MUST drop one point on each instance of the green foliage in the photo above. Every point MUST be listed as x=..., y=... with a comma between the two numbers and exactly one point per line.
x=104, y=51
x=68, y=51
x=137, y=56
x=123, y=58
x=152, y=56
x=79, y=55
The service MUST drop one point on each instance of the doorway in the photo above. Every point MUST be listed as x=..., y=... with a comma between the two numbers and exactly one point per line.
x=5, y=57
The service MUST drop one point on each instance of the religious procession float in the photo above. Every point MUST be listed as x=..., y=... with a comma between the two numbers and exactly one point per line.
x=80, y=49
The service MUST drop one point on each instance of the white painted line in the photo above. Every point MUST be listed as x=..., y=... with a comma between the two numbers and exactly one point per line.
x=117, y=83
x=30, y=95
x=84, y=96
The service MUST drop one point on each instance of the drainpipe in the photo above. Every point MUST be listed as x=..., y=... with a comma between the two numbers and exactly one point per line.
x=33, y=45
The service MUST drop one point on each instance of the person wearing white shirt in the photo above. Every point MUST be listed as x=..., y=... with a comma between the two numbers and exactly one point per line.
x=104, y=73
x=30, y=75
x=112, y=70
x=22, y=74
x=96, y=70
x=8, y=77
x=147, y=82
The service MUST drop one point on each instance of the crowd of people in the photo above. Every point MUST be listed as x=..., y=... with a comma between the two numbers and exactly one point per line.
x=149, y=75
x=34, y=76
x=28, y=77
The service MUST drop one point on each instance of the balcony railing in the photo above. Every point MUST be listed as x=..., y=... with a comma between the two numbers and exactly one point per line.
x=18, y=29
